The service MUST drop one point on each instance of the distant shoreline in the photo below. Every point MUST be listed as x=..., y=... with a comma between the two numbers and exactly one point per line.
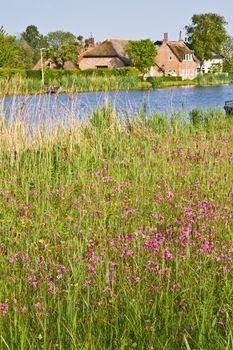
x=146, y=87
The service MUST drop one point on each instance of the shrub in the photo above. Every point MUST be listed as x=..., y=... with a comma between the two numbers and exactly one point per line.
x=8, y=73
x=128, y=71
x=155, y=81
x=100, y=72
x=228, y=66
x=33, y=74
x=168, y=78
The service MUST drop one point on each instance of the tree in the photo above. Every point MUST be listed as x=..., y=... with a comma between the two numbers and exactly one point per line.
x=34, y=39
x=227, y=48
x=32, y=36
x=206, y=34
x=10, y=51
x=67, y=52
x=142, y=54
x=65, y=46
x=56, y=40
x=27, y=54
x=227, y=51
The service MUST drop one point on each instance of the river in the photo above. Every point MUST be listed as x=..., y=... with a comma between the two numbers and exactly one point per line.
x=79, y=106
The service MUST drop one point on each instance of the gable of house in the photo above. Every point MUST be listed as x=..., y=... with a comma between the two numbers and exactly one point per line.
x=180, y=50
x=174, y=58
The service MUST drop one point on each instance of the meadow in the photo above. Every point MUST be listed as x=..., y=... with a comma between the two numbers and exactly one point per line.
x=117, y=233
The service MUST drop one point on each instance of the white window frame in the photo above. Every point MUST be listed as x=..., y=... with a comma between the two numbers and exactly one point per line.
x=188, y=57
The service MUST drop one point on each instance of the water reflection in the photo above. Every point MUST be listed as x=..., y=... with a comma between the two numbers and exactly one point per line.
x=40, y=108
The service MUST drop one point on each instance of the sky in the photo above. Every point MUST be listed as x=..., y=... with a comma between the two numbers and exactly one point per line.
x=108, y=19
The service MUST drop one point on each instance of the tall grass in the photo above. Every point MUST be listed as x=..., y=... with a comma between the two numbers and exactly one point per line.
x=21, y=86
x=214, y=79
x=117, y=234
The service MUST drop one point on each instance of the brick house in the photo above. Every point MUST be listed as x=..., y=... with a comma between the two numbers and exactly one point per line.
x=174, y=58
x=109, y=54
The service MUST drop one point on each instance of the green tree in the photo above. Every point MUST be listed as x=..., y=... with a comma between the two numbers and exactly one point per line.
x=64, y=46
x=56, y=40
x=10, y=51
x=34, y=39
x=32, y=36
x=67, y=52
x=142, y=54
x=27, y=54
x=206, y=34
x=227, y=51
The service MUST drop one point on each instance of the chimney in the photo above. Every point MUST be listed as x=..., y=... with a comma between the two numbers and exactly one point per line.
x=180, y=36
x=91, y=40
x=165, y=37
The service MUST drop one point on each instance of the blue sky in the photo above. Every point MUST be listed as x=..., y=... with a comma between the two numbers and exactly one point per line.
x=118, y=19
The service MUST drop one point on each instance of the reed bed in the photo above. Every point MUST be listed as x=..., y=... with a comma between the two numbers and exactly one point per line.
x=214, y=79
x=21, y=86
x=116, y=233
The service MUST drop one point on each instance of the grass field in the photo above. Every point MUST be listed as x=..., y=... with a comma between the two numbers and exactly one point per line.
x=117, y=234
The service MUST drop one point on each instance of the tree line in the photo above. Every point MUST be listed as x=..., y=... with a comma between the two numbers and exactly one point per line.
x=24, y=51
x=206, y=34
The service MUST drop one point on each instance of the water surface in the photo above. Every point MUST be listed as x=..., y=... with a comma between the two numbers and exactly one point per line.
x=79, y=106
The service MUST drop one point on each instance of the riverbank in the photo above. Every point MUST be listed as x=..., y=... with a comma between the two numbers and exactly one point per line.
x=117, y=234
x=19, y=86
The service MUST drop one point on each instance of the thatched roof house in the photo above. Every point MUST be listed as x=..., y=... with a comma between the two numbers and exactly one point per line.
x=54, y=65
x=109, y=54
x=70, y=65
x=46, y=64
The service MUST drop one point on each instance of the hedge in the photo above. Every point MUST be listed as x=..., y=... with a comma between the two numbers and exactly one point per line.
x=58, y=74
x=33, y=74
x=157, y=81
x=167, y=78
x=8, y=73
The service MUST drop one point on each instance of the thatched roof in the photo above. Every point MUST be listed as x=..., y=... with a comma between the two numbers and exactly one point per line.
x=48, y=63
x=69, y=65
x=109, y=48
x=179, y=48
x=82, y=54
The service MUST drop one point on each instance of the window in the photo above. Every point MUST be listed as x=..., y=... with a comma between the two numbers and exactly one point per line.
x=170, y=58
x=99, y=67
x=188, y=57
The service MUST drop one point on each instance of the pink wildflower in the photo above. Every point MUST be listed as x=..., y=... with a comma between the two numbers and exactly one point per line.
x=128, y=252
x=205, y=248
x=92, y=270
x=167, y=255
x=169, y=195
x=221, y=310
x=3, y=309
x=24, y=309
x=39, y=306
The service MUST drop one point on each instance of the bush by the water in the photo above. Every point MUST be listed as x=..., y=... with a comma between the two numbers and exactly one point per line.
x=213, y=79
x=158, y=81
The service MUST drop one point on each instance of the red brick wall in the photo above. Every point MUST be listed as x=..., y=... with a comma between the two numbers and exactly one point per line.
x=172, y=66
